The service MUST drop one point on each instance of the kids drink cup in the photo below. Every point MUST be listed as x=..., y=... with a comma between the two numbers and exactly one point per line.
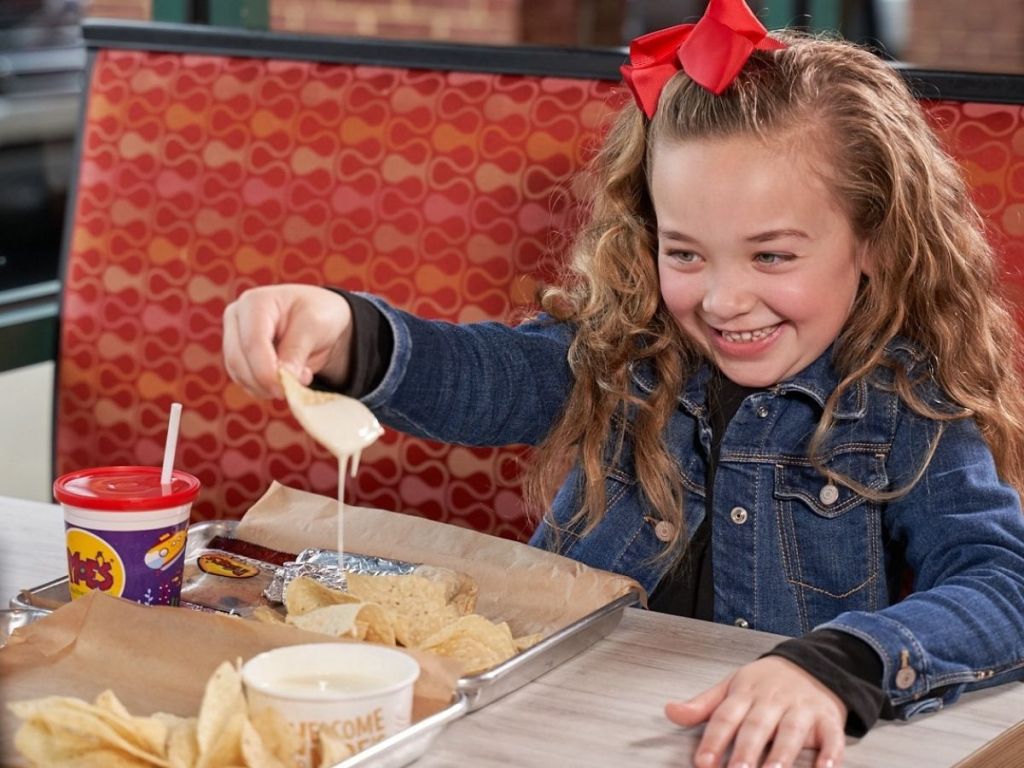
x=126, y=532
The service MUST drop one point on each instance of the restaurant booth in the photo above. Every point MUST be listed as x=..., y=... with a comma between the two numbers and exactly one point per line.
x=439, y=176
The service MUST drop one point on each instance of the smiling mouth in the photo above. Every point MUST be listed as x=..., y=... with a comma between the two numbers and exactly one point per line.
x=741, y=337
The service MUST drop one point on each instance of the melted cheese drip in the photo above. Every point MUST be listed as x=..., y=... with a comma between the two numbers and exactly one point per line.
x=341, y=424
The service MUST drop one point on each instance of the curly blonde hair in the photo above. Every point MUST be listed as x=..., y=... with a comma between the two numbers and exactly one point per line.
x=935, y=279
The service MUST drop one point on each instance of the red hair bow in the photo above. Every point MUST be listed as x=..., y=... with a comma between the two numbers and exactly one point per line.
x=712, y=52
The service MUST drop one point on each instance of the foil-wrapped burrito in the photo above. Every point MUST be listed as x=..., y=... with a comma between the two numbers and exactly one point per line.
x=235, y=576
x=322, y=565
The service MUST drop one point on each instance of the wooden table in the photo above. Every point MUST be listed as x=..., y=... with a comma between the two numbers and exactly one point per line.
x=603, y=708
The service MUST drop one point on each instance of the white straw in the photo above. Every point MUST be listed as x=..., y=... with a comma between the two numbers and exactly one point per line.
x=171, y=444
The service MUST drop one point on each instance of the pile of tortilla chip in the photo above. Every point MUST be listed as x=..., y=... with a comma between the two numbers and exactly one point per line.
x=429, y=609
x=61, y=732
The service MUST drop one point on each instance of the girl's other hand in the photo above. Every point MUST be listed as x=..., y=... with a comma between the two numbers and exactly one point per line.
x=770, y=701
x=301, y=327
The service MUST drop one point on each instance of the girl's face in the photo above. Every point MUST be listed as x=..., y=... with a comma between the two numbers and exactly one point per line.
x=757, y=263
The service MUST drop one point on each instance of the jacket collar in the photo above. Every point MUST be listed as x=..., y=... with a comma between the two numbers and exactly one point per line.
x=816, y=382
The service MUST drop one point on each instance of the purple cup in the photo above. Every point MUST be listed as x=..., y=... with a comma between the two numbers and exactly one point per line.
x=126, y=532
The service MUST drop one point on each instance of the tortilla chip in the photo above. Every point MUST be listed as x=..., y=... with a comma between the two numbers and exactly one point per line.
x=44, y=746
x=222, y=700
x=277, y=734
x=305, y=594
x=474, y=655
x=60, y=731
x=528, y=641
x=255, y=751
x=459, y=589
x=335, y=620
x=225, y=749
x=149, y=734
x=418, y=606
x=267, y=615
x=475, y=641
x=182, y=745
x=376, y=624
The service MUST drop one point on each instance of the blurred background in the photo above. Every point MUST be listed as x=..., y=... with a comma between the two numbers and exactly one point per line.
x=42, y=61
x=42, y=65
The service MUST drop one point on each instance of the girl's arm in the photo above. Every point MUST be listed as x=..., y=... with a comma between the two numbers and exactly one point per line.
x=475, y=384
x=963, y=626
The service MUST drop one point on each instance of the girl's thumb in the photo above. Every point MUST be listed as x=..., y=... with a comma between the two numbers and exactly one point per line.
x=698, y=709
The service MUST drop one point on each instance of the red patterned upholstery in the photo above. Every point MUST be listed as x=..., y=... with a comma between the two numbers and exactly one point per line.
x=201, y=176
x=445, y=192
x=988, y=141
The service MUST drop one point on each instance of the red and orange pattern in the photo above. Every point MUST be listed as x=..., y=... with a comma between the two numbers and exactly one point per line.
x=448, y=193
x=988, y=142
x=201, y=176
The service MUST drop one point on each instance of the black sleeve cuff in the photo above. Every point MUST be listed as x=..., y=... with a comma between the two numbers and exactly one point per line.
x=370, y=355
x=849, y=667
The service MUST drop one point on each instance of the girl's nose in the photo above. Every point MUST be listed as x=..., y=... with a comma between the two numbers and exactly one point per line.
x=727, y=296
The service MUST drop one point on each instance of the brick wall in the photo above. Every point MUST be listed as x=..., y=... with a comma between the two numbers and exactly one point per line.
x=981, y=36
x=483, y=21
x=552, y=22
x=120, y=9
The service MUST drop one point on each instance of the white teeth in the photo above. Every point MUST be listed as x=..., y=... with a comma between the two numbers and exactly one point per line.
x=741, y=336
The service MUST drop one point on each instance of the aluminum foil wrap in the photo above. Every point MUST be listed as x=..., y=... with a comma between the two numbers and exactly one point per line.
x=322, y=565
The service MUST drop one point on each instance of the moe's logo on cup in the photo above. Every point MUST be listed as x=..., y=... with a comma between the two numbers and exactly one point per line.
x=93, y=564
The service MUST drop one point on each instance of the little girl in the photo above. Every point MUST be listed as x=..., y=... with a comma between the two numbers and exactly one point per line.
x=779, y=374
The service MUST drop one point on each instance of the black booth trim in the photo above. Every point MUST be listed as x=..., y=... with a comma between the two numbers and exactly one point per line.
x=583, y=63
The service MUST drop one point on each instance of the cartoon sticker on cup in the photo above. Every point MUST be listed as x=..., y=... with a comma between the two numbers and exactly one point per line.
x=350, y=694
x=126, y=531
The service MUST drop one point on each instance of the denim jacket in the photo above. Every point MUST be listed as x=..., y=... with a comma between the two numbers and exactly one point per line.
x=791, y=550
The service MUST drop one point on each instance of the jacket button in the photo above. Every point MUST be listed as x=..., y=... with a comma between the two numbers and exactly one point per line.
x=738, y=515
x=664, y=530
x=828, y=494
x=905, y=678
x=742, y=623
x=762, y=411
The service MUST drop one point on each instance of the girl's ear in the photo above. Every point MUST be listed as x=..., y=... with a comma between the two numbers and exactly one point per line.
x=865, y=260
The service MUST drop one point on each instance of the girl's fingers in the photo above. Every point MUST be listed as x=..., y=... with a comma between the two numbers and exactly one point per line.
x=756, y=730
x=794, y=732
x=831, y=744
x=698, y=709
x=720, y=731
x=249, y=337
x=236, y=361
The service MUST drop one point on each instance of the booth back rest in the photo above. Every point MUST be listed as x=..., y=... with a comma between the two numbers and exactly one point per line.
x=448, y=192
x=201, y=176
x=987, y=140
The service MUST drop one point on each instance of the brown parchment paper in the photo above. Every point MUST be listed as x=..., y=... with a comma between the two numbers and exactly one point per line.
x=533, y=590
x=156, y=659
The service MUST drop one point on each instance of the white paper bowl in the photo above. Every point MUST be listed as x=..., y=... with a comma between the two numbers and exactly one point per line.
x=369, y=698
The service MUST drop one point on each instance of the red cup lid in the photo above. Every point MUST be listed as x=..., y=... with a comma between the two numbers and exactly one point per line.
x=125, y=489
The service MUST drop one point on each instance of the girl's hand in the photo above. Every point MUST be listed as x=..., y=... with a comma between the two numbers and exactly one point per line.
x=302, y=327
x=769, y=700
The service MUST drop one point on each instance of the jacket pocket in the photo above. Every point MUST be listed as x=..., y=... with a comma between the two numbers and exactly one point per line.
x=831, y=535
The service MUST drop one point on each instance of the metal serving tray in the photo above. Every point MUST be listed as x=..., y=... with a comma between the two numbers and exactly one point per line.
x=472, y=692
x=14, y=618
x=410, y=744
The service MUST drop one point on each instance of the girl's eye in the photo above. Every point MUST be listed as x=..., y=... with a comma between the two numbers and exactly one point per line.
x=772, y=258
x=683, y=257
